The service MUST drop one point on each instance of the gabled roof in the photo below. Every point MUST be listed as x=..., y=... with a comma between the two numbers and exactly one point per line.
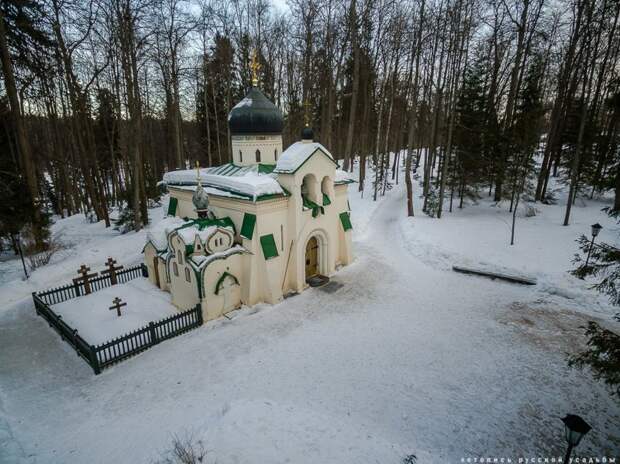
x=297, y=154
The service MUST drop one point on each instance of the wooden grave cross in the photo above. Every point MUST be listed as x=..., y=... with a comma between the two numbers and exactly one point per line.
x=84, y=278
x=118, y=304
x=112, y=269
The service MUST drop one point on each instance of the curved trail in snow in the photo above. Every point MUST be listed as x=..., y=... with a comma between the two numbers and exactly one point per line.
x=404, y=358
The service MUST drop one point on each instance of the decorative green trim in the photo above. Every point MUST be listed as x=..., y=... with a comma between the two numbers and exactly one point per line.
x=306, y=160
x=172, y=206
x=346, y=221
x=316, y=209
x=268, y=244
x=326, y=200
x=247, y=228
x=220, y=281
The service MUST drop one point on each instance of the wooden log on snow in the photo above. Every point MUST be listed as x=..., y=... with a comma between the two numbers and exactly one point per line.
x=518, y=279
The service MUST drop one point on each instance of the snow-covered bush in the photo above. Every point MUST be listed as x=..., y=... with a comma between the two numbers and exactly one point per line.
x=36, y=259
x=432, y=202
x=125, y=221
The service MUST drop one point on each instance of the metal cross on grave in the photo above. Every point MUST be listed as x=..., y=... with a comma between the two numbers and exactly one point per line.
x=85, y=278
x=111, y=270
x=118, y=304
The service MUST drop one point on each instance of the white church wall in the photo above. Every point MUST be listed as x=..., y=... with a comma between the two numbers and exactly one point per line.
x=183, y=279
x=150, y=254
x=215, y=304
x=244, y=149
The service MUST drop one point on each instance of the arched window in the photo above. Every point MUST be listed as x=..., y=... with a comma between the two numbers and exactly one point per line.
x=275, y=154
x=240, y=156
x=175, y=268
x=187, y=276
x=180, y=255
x=326, y=191
x=309, y=188
x=258, y=156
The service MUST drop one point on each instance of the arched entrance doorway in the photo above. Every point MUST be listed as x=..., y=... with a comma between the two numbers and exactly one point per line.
x=228, y=288
x=312, y=258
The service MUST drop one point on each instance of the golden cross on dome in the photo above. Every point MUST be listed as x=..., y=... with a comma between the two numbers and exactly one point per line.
x=255, y=67
x=307, y=113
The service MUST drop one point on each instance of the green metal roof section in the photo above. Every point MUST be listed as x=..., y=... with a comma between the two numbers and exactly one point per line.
x=326, y=200
x=172, y=206
x=266, y=168
x=268, y=244
x=203, y=223
x=247, y=228
x=220, y=281
x=345, y=219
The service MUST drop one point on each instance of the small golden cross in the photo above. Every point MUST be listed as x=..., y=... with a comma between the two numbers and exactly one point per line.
x=255, y=67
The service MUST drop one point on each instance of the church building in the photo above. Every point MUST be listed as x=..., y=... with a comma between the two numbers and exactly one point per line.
x=271, y=223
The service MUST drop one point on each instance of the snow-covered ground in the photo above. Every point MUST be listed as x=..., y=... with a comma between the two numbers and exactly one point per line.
x=407, y=357
x=96, y=323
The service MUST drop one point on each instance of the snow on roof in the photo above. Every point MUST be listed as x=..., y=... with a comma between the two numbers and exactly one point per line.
x=297, y=154
x=158, y=234
x=200, y=261
x=203, y=228
x=248, y=181
x=188, y=234
x=342, y=177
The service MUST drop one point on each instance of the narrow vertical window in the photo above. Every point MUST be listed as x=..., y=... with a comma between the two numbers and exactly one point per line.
x=275, y=154
x=281, y=237
x=180, y=257
x=175, y=268
x=258, y=156
x=240, y=156
x=187, y=276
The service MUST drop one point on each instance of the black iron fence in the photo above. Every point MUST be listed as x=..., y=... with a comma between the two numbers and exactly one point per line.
x=67, y=292
x=120, y=348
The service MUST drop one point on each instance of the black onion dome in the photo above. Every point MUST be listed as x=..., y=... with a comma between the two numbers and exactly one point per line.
x=307, y=133
x=255, y=114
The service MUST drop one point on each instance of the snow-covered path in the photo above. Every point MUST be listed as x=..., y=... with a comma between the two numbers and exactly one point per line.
x=404, y=358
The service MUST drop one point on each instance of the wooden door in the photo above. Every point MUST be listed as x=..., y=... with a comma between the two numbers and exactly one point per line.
x=312, y=258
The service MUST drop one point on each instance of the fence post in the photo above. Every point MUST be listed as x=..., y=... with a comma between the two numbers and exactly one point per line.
x=36, y=306
x=94, y=360
x=154, y=339
x=76, y=286
x=145, y=270
x=198, y=309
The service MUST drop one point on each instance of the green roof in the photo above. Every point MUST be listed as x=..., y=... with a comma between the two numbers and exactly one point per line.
x=268, y=244
x=326, y=200
x=203, y=223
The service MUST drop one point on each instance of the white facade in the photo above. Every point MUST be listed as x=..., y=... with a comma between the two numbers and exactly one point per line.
x=273, y=224
x=253, y=149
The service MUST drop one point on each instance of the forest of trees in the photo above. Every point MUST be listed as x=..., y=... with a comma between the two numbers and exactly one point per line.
x=99, y=98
